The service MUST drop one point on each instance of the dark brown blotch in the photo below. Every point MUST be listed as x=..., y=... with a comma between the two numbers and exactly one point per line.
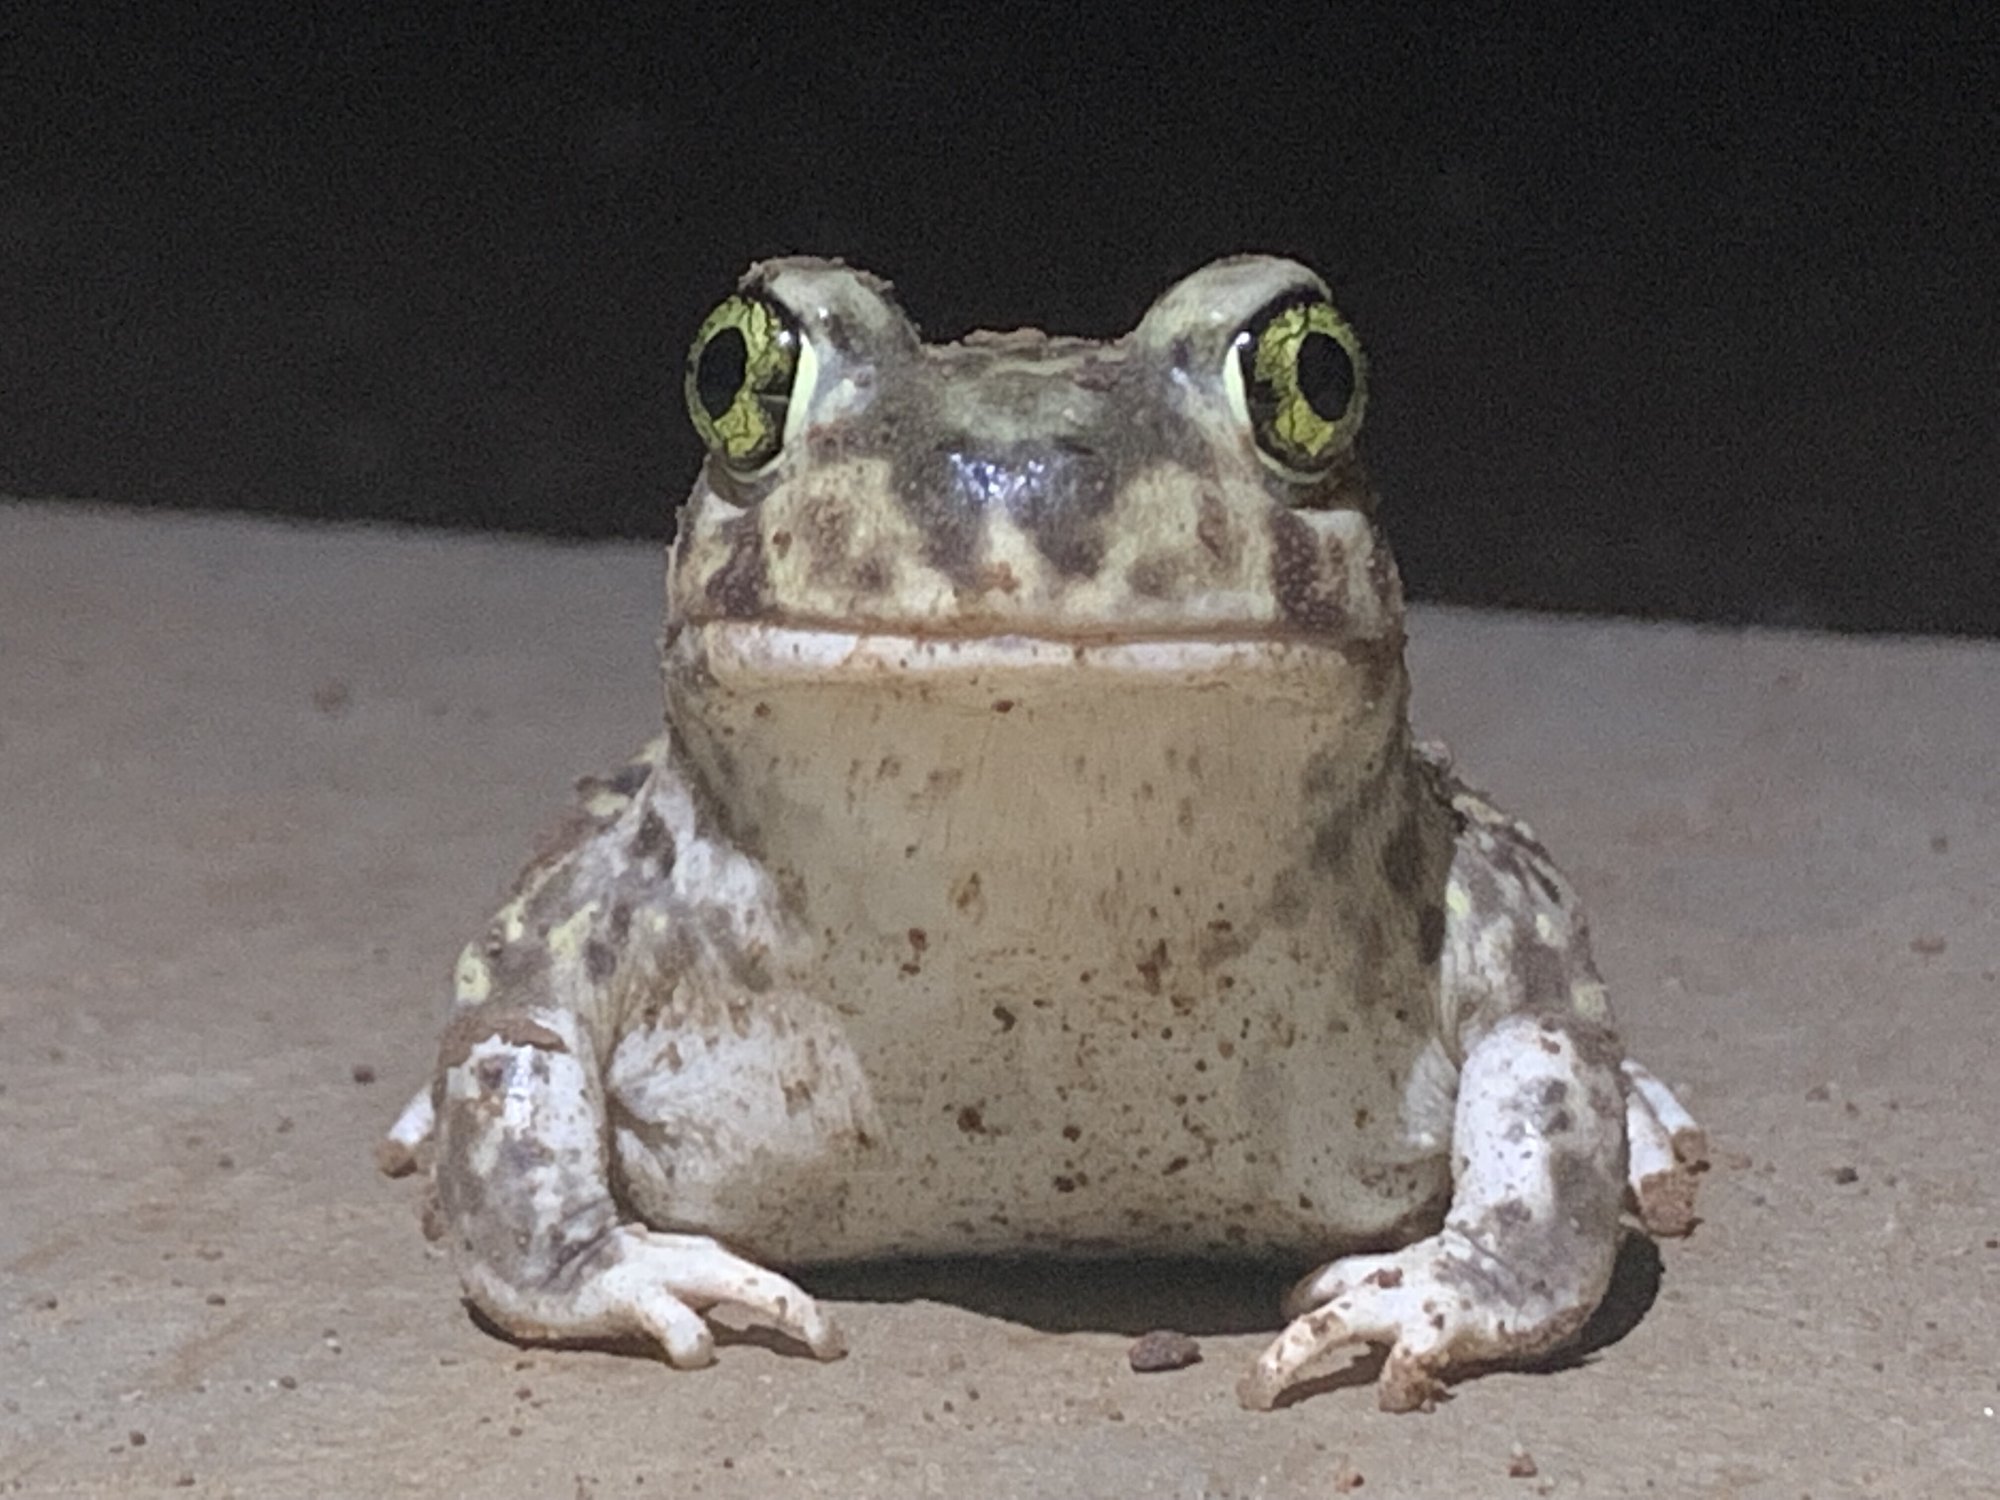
x=469, y=1029
x=740, y=588
x=1309, y=581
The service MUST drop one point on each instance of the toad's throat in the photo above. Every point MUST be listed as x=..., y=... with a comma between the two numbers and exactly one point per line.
x=1045, y=788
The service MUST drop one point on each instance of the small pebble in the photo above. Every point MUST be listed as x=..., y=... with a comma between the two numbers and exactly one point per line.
x=1163, y=1349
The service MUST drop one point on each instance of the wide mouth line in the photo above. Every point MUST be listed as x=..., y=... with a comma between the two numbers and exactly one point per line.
x=1248, y=633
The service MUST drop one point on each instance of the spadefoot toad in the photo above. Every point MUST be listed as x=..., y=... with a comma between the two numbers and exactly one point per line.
x=1037, y=858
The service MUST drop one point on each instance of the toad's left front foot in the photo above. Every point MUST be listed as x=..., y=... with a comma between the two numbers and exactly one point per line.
x=1540, y=1168
x=1442, y=1303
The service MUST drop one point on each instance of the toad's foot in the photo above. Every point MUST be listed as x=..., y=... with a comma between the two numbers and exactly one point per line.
x=1539, y=1171
x=1668, y=1153
x=523, y=1187
x=642, y=1281
x=1437, y=1305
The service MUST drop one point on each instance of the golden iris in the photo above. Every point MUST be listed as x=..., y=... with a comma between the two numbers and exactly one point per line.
x=740, y=375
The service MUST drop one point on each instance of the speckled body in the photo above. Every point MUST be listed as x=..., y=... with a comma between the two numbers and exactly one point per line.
x=1037, y=858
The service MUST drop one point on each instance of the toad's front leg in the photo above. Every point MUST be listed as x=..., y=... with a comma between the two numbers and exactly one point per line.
x=520, y=1105
x=1525, y=1255
x=524, y=1187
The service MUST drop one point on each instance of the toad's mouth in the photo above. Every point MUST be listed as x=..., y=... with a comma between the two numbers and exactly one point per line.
x=738, y=653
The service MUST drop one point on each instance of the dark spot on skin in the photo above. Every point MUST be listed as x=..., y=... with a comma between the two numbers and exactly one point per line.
x=1152, y=966
x=1072, y=1133
x=1154, y=577
x=1065, y=1184
x=798, y=1097
x=1213, y=531
x=652, y=840
x=1388, y=1278
x=1403, y=859
x=1178, y=1164
x=1311, y=589
x=971, y=1121
x=826, y=523
x=1543, y=971
x=468, y=1030
x=1063, y=507
x=1430, y=932
x=1005, y=1017
x=629, y=778
x=926, y=488
x=1180, y=353
x=1332, y=842
x=600, y=960
x=749, y=967
x=671, y=1055
x=736, y=590
x=1003, y=705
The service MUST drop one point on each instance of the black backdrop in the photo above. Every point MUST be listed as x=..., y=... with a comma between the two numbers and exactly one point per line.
x=1677, y=311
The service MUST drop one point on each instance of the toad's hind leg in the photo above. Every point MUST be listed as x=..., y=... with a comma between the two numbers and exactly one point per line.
x=1526, y=1251
x=523, y=1182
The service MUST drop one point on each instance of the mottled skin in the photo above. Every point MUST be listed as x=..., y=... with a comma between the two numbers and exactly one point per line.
x=1037, y=858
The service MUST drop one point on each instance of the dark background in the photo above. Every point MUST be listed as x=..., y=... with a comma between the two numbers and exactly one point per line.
x=1673, y=310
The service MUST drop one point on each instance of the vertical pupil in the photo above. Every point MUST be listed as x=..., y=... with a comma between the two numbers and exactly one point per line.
x=718, y=373
x=1326, y=375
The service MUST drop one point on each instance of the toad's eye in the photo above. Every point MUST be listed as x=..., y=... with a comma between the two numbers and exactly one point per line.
x=1297, y=375
x=748, y=375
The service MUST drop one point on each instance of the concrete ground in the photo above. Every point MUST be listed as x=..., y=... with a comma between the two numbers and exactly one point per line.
x=257, y=783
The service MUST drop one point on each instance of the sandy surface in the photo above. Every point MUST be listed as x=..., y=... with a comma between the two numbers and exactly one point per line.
x=256, y=785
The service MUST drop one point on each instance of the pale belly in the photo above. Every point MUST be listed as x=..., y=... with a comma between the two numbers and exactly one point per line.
x=1074, y=1109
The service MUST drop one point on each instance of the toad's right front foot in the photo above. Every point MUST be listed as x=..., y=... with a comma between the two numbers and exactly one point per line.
x=641, y=1281
x=523, y=1188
